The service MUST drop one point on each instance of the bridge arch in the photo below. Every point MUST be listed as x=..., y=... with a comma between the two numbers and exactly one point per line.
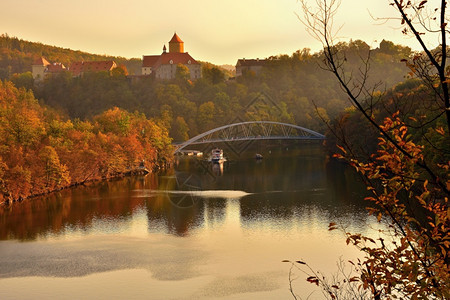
x=252, y=130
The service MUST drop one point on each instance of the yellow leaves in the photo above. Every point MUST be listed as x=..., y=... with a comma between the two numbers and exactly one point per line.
x=55, y=173
x=114, y=120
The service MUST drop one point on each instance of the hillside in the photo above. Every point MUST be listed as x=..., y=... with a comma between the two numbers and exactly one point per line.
x=17, y=55
x=42, y=151
x=293, y=89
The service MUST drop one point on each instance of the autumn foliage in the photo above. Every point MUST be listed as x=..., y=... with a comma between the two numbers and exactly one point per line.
x=398, y=141
x=411, y=257
x=41, y=151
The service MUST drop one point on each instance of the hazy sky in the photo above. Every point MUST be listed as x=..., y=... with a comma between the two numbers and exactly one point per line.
x=216, y=31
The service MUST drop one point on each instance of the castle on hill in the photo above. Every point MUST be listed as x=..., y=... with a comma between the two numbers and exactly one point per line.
x=164, y=66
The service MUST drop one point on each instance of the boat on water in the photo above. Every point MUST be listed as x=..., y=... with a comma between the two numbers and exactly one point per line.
x=217, y=155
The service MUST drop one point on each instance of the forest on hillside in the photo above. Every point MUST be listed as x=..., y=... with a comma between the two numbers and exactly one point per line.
x=290, y=88
x=43, y=151
x=17, y=55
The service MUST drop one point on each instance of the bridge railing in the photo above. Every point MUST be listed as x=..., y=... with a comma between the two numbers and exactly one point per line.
x=253, y=130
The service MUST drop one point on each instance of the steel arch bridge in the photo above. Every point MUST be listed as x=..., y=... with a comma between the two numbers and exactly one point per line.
x=252, y=130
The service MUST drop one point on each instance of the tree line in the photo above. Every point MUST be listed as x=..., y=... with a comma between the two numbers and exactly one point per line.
x=41, y=150
x=17, y=56
x=290, y=88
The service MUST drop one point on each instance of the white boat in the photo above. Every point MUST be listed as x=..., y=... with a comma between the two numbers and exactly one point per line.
x=217, y=155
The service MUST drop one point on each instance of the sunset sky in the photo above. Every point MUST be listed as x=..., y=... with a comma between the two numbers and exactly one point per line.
x=216, y=31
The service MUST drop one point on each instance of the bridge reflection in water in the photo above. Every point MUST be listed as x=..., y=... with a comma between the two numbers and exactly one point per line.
x=181, y=201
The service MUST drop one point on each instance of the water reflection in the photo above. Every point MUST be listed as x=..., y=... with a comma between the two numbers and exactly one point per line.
x=72, y=209
x=164, y=216
x=287, y=188
x=217, y=168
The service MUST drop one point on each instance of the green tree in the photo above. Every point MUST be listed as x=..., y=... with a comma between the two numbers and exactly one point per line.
x=182, y=73
x=180, y=130
x=24, y=80
x=206, y=116
x=213, y=74
x=115, y=120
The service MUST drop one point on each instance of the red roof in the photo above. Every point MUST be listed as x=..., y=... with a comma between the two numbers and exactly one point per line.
x=40, y=62
x=176, y=39
x=91, y=66
x=55, y=68
x=175, y=59
x=150, y=60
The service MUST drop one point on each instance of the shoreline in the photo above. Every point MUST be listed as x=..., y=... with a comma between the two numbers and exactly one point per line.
x=134, y=172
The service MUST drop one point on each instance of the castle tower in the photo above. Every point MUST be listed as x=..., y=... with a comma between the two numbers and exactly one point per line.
x=39, y=67
x=176, y=45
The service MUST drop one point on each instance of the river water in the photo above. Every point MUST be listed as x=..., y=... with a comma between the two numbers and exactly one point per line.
x=197, y=231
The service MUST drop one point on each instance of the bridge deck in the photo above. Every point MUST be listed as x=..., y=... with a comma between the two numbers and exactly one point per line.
x=253, y=130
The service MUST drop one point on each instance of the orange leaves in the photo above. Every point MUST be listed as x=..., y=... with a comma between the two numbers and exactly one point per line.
x=440, y=130
x=41, y=152
x=342, y=149
x=412, y=257
x=379, y=216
